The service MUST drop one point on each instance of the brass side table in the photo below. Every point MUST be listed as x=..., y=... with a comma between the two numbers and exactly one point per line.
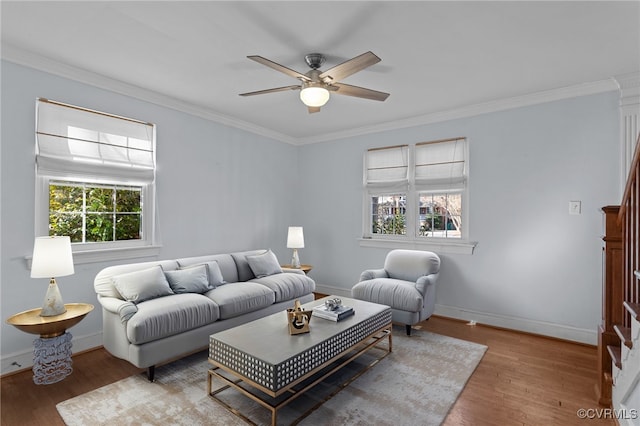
x=52, y=350
x=304, y=268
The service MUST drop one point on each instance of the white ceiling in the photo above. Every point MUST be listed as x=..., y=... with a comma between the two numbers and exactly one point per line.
x=436, y=56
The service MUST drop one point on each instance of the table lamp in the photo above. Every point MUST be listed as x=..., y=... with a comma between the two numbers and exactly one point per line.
x=295, y=240
x=52, y=258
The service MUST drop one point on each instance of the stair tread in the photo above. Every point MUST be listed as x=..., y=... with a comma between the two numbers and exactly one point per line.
x=624, y=333
x=616, y=355
x=633, y=309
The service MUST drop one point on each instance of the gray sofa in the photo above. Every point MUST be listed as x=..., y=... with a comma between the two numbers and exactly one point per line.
x=155, y=312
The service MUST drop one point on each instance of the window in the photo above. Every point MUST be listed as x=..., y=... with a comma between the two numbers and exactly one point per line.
x=417, y=193
x=95, y=213
x=95, y=177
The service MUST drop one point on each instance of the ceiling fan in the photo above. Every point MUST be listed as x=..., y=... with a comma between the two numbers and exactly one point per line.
x=316, y=84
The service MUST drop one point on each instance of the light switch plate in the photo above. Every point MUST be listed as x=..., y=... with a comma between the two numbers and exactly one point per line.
x=575, y=207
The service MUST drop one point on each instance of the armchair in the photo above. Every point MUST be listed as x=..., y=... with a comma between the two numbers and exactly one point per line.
x=407, y=284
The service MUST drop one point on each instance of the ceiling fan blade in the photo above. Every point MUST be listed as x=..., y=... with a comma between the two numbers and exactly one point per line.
x=313, y=109
x=278, y=67
x=349, y=67
x=276, y=89
x=360, y=92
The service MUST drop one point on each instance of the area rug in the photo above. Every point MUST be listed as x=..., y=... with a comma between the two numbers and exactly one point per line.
x=417, y=383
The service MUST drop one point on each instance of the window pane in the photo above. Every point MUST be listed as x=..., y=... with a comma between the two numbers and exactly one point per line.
x=128, y=226
x=440, y=215
x=128, y=200
x=99, y=227
x=66, y=224
x=99, y=199
x=65, y=198
x=388, y=214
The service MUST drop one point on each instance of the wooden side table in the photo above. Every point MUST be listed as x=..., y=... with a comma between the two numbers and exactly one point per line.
x=304, y=268
x=52, y=350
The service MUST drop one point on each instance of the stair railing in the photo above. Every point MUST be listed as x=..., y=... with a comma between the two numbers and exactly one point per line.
x=620, y=296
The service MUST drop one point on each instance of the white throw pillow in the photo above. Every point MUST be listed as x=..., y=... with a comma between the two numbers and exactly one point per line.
x=264, y=264
x=139, y=286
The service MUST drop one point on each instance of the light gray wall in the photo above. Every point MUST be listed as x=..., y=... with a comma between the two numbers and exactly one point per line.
x=535, y=266
x=222, y=189
x=219, y=190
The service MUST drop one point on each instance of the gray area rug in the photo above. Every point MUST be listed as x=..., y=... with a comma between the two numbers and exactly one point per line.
x=416, y=384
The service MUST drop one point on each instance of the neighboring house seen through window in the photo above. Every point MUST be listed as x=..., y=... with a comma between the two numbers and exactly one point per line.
x=95, y=176
x=416, y=192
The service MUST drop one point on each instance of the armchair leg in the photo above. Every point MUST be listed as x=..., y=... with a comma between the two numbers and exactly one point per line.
x=408, y=327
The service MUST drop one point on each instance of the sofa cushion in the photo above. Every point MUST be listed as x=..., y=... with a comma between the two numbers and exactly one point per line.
x=239, y=298
x=398, y=294
x=264, y=264
x=142, y=285
x=287, y=286
x=166, y=316
x=214, y=274
x=190, y=280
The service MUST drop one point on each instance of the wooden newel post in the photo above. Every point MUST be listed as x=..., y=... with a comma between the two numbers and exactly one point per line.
x=612, y=299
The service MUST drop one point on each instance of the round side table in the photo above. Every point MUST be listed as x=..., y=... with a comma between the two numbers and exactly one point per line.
x=304, y=268
x=52, y=350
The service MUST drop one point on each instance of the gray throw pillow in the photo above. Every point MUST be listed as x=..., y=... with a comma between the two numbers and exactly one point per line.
x=213, y=271
x=264, y=264
x=191, y=280
x=215, y=274
x=139, y=286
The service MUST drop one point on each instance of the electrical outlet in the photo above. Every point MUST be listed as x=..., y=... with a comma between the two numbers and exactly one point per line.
x=575, y=207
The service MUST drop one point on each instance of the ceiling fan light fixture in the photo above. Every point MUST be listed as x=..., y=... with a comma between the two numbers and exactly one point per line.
x=314, y=95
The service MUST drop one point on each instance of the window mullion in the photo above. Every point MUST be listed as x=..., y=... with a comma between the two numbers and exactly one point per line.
x=113, y=214
x=84, y=213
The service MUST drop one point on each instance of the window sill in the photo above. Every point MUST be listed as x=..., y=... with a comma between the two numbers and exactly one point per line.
x=105, y=255
x=450, y=247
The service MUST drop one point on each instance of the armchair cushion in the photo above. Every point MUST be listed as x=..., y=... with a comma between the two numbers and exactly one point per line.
x=398, y=294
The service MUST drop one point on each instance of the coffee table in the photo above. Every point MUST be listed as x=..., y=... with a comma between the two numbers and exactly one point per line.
x=263, y=355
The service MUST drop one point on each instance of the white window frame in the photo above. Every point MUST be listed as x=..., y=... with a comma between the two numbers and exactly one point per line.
x=89, y=252
x=411, y=239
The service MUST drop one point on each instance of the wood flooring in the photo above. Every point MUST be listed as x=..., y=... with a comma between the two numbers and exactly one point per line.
x=522, y=380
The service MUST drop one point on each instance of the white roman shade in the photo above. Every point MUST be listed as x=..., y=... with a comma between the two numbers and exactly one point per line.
x=441, y=164
x=388, y=165
x=77, y=142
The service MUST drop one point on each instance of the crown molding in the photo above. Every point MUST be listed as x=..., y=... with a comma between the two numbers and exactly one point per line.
x=42, y=63
x=629, y=89
x=39, y=62
x=574, y=91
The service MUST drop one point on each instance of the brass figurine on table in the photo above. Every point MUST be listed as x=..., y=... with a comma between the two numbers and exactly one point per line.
x=298, y=319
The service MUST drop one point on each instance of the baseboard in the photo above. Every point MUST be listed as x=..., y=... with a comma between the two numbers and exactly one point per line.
x=559, y=331
x=20, y=361
x=333, y=291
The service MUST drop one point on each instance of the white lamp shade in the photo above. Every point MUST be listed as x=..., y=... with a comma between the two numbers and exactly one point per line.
x=295, y=238
x=314, y=96
x=52, y=257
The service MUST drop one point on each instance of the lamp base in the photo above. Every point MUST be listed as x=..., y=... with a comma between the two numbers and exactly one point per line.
x=53, y=304
x=295, y=260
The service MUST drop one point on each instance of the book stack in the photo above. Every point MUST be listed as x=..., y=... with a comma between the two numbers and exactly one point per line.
x=338, y=314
